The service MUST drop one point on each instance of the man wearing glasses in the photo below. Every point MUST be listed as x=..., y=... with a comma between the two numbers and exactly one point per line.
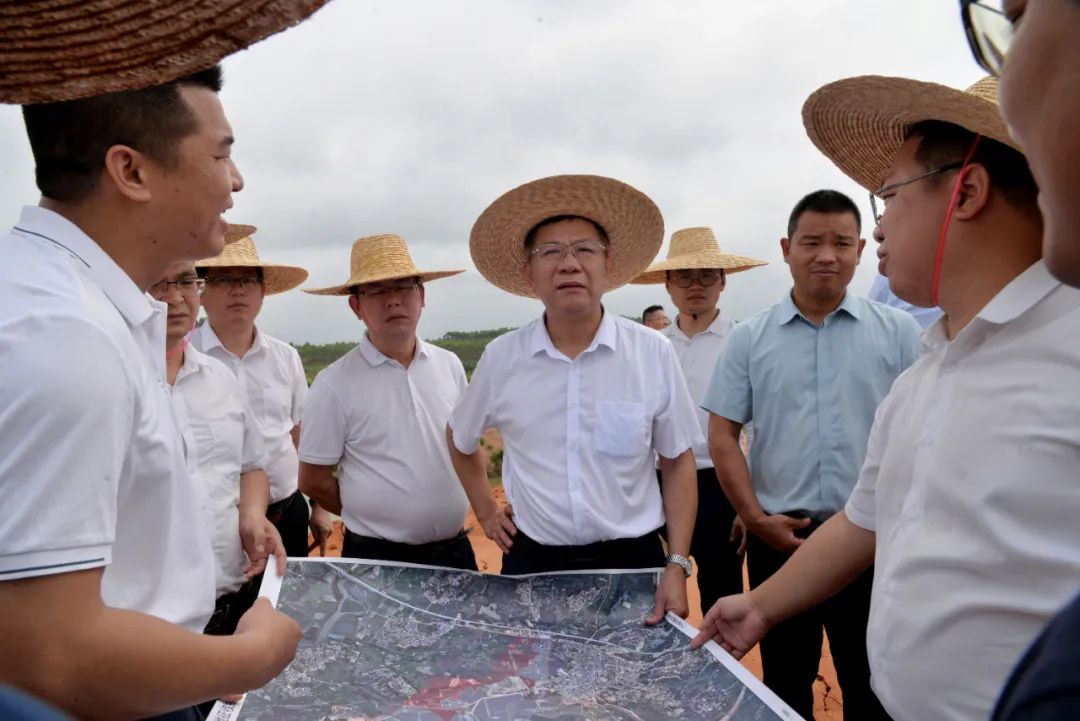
x=695, y=274
x=1040, y=85
x=378, y=415
x=809, y=372
x=967, y=501
x=584, y=399
x=270, y=374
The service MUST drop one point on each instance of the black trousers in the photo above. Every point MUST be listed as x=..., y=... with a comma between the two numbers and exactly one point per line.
x=791, y=650
x=454, y=552
x=719, y=566
x=290, y=518
x=230, y=607
x=528, y=556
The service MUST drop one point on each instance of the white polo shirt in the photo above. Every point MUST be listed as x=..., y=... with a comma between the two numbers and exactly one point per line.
x=972, y=485
x=273, y=382
x=697, y=357
x=579, y=435
x=222, y=442
x=386, y=425
x=92, y=469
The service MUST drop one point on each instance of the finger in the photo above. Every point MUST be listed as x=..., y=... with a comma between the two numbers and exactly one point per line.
x=231, y=698
x=800, y=523
x=656, y=616
x=701, y=639
x=505, y=540
x=508, y=510
x=742, y=546
x=281, y=557
x=508, y=526
x=256, y=568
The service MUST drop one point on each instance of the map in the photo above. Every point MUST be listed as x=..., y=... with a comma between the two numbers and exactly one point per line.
x=413, y=643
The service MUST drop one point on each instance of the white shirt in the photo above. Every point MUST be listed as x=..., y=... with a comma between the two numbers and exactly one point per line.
x=697, y=357
x=579, y=435
x=92, y=469
x=972, y=485
x=222, y=443
x=386, y=425
x=273, y=382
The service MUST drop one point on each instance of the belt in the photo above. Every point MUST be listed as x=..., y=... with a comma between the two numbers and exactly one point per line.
x=433, y=546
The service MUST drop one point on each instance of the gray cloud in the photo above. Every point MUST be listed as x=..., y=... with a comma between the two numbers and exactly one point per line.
x=412, y=116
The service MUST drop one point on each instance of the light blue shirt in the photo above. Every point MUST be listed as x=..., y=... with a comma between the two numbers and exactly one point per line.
x=882, y=293
x=811, y=392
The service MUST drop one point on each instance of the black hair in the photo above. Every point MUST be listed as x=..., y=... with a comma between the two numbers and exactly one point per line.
x=649, y=311
x=823, y=201
x=941, y=143
x=69, y=139
x=530, y=237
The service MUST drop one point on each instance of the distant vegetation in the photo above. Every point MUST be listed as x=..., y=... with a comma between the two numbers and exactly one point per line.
x=467, y=345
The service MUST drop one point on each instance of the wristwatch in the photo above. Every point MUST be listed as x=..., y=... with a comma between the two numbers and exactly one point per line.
x=682, y=562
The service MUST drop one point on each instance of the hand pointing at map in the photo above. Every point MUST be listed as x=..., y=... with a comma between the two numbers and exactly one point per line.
x=734, y=622
x=670, y=596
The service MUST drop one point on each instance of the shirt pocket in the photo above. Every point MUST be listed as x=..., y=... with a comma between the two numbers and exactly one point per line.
x=622, y=429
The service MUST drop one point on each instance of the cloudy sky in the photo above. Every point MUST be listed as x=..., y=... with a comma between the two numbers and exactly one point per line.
x=412, y=116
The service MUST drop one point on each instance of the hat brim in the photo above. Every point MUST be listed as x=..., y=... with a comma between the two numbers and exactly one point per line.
x=276, y=278
x=55, y=50
x=346, y=287
x=657, y=272
x=632, y=221
x=861, y=123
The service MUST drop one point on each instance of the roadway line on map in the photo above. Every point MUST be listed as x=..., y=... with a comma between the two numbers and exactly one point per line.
x=515, y=630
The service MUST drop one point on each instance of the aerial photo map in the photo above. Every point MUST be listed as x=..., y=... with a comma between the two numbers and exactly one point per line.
x=413, y=643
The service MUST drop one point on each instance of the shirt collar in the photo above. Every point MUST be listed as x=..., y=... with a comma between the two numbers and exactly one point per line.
x=211, y=340
x=606, y=335
x=376, y=357
x=789, y=311
x=194, y=361
x=720, y=327
x=133, y=304
x=1022, y=293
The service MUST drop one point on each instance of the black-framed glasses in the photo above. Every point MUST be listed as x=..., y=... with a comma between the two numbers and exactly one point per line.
x=385, y=291
x=880, y=193
x=247, y=282
x=584, y=251
x=186, y=286
x=705, y=278
x=989, y=32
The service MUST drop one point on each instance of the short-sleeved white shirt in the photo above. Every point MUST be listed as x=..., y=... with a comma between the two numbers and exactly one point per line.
x=697, y=358
x=92, y=470
x=386, y=425
x=972, y=485
x=222, y=443
x=580, y=435
x=272, y=379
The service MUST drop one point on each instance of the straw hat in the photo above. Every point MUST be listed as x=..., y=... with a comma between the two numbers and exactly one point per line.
x=860, y=123
x=380, y=257
x=53, y=50
x=631, y=220
x=240, y=253
x=695, y=249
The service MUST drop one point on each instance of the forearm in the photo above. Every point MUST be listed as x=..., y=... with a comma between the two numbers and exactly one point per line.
x=830, y=559
x=734, y=476
x=678, y=478
x=472, y=475
x=318, y=482
x=295, y=434
x=254, y=493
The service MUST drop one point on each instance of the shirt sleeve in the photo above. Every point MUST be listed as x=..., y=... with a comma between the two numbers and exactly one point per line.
x=299, y=386
x=675, y=426
x=472, y=415
x=861, y=508
x=254, y=454
x=325, y=427
x=910, y=340
x=731, y=394
x=64, y=435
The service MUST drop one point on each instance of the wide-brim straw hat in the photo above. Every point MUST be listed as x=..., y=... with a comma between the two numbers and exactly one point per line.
x=377, y=258
x=860, y=123
x=631, y=220
x=240, y=252
x=53, y=50
x=696, y=249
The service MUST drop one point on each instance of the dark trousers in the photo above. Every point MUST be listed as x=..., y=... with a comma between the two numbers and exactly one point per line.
x=528, y=556
x=454, y=552
x=230, y=607
x=791, y=650
x=191, y=713
x=719, y=565
x=290, y=518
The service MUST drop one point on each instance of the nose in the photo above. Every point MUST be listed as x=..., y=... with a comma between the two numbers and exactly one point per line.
x=570, y=263
x=879, y=234
x=237, y=179
x=236, y=288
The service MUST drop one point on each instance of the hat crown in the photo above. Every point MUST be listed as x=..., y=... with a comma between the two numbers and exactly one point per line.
x=239, y=252
x=384, y=256
x=693, y=241
x=985, y=89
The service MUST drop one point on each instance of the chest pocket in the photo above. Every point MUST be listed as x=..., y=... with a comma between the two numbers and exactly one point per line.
x=219, y=442
x=274, y=405
x=622, y=430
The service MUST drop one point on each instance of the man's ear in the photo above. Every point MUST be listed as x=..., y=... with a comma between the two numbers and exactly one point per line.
x=974, y=192
x=785, y=246
x=859, y=250
x=354, y=304
x=129, y=171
